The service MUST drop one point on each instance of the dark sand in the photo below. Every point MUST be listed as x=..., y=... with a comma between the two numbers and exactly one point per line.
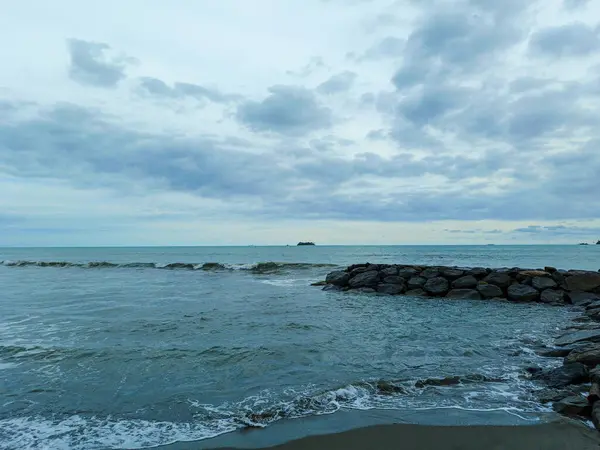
x=562, y=435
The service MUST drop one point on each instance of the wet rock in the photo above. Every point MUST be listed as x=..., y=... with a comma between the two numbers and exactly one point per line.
x=583, y=282
x=393, y=279
x=391, y=289
x=364, y=279
x=389, y=272
x=579, y=336
x=489, y=290
x=550, y=269
x=319, y=283
x=582, y=298
x=522, y=293
x=416, y=282
x=588, y=355
x=552, y=297
x=478, y=272
x=407, y=272
x=595, y=374
x=533, y=273
x=387, y=388
x=502, y=280
x=554, y=352
x=338, y=278
x=448, y=381
x=596, y=415
x=452, y=273
x=559, y=277
x=416, y=293
x=468, y=294
x=332, y=288
x=437, y=286
x=365, y=290
x=466, y=282
x=359, y=270
x=594, y=393
x=431, y=272
x=574, y=373
x=551, y=395
x=573, y=406
x=542, y=283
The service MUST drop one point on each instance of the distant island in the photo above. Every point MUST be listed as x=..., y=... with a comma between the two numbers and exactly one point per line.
x=583, y=243
x=598, y=243
x=306, y=243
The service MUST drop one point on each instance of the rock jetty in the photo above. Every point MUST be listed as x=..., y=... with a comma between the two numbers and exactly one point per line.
x=573, y=389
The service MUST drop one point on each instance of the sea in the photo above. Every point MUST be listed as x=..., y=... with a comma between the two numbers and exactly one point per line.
x=202, y=347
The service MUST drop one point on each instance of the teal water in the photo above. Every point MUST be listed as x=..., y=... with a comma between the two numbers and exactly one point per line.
x=153, y=346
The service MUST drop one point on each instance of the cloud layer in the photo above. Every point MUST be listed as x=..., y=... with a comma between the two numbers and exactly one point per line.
x=454, y=114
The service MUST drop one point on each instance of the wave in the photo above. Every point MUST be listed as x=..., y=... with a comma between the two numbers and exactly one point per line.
x=268, y=267
x=259, y=411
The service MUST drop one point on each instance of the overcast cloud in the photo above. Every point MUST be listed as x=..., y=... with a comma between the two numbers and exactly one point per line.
x=232, y=122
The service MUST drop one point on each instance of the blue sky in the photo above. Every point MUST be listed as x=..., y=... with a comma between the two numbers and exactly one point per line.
x=340, y=121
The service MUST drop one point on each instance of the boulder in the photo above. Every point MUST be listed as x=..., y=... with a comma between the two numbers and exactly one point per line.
x=542, y=283
x=522, y=293
x=466, y=282
x=552, y=297
x=391, y=289
x=489, y=290
x=550, y=269
x=559, y=278
x=554, y=352
x=437, y=286
x=596, y=415
x=366, y=290
x=387, y=388
x=595, y=374
x=582, y=298
x=394, y=279
x=416, y=293
x=573, y=406
x=583, y=282
x=364, y=279
x=360, y=269
x=431, y=272
x=332, y=287
x=388, y=272
x=550, y=395
x=416, y=282
x=574, y=373
x=448, y=381
x=477, y=272
x=579, y=336
x=338, y=278
x=533, y=273
x=588, y=355
x=452, y=273
x=502, y=280
x=407, y=272
x=356, y=266
x=468, y=294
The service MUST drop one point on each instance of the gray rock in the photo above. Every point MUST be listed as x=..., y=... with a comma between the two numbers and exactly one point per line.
x=394, y=279
x=579, y=336
x=573, y=406
x=358, y=270
x=595, y=374
x=416, y=282
x=583, y=282
x=338, y=278
x=596, y=415
x=574, y=373
x=554, y=352
x=331, y=287
x=542, y=283
x=552, y=297
x=466, y=282
x=550, y=269
x=559, y=277
x=478, y=272
x=489, y=290
x=550, y=395
x=407, y=272
x=522, y=293
x=502, y=280
x=366, y=290
x=588, y=355
x=416, y=293
x=452, y=273
x=437, y=286
x=364, y=279
x=389, y=272
x=468, y=294
x=431, y=272
x=583, y=298
x=391, y=289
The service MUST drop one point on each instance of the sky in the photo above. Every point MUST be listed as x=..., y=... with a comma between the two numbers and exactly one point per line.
x=196, y=122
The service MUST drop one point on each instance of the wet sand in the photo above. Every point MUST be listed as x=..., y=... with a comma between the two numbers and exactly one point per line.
x=562, y=435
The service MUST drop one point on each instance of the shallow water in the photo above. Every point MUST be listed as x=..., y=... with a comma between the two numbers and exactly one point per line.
x=130, y=355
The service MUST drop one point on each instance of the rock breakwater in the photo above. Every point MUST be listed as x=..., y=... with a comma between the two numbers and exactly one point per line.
x=547, y=285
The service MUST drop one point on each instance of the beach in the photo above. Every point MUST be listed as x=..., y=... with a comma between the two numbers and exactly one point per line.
x=561, y=435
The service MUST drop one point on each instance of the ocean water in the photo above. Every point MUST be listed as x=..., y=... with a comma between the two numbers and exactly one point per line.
x=141, y=347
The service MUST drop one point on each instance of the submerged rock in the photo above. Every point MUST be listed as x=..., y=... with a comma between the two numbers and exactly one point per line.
x=448, y=381
x=416, y=293
x=468, y=294
x=387, y=388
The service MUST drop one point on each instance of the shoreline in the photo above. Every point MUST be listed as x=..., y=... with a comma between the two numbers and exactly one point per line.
x=559, y=435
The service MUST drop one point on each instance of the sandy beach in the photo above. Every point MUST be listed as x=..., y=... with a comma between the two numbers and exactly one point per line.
x=562, y=435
